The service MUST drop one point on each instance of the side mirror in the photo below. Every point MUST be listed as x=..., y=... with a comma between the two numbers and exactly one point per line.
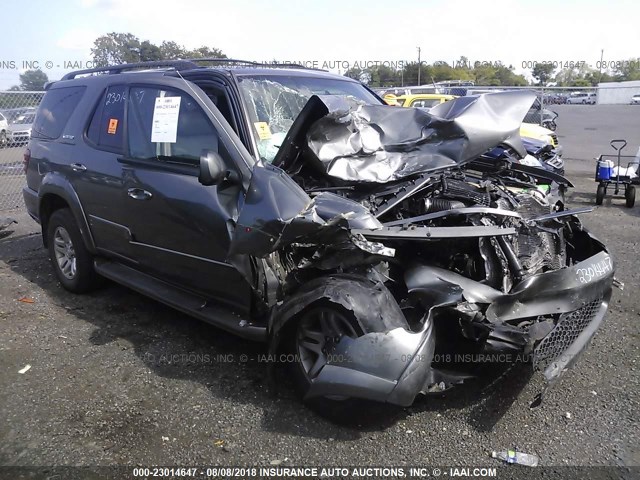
x=212, y=168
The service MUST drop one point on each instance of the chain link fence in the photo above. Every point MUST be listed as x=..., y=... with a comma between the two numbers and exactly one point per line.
x=17, y=111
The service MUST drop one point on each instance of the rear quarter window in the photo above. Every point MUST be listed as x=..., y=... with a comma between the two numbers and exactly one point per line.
x=107, y=123
x=55, y=110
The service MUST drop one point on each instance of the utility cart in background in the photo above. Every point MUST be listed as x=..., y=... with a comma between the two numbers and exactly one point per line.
x=617, y=170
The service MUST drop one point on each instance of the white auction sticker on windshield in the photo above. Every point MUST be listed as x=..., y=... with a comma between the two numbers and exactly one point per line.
x=165, y=119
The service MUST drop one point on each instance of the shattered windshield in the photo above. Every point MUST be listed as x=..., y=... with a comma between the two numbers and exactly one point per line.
x=274, y=102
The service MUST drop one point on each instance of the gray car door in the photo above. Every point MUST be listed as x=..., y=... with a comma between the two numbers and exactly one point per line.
x=181, y=230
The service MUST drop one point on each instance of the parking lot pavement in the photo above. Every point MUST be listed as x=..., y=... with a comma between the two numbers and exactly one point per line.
x=117, y=378
x=585, y=130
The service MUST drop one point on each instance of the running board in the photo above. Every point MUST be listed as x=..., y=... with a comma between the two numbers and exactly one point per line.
x=186, y=302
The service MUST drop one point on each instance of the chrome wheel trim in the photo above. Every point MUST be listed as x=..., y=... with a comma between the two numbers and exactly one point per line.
x=65, y=252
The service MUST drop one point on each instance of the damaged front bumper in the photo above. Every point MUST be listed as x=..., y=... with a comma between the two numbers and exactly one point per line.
x=396, y=366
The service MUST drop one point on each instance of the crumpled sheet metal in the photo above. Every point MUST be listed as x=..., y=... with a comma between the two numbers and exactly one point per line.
x=277, y=212
x=379, y=144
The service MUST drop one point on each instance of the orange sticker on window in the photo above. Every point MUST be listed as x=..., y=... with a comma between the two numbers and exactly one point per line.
x=113, y=126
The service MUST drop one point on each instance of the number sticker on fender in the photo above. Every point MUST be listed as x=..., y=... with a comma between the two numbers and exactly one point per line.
x=594, y=271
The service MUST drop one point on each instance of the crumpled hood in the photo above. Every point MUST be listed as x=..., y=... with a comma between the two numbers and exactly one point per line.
x=378, y=144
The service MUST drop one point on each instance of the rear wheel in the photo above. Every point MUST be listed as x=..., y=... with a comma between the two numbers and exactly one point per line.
x=70, y=258
x=600, y=193
x=630, y=196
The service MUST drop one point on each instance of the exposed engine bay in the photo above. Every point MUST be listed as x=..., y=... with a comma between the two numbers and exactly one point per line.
x=395, y=216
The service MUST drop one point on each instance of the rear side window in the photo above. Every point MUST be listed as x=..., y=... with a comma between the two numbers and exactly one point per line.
x=55, y=110
x=107, y=125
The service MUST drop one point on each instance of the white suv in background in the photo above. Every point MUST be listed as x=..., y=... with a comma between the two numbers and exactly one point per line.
x=4, y=127
x=586, y=98
x=635, y=100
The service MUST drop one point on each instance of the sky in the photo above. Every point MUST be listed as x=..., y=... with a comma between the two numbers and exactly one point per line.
x=516, y=32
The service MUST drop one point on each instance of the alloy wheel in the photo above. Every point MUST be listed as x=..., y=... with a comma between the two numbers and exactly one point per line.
x=65, y=252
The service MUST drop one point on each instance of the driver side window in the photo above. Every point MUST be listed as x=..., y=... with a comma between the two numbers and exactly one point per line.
x=168, y=125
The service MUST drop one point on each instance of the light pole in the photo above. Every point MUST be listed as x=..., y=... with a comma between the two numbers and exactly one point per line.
x=600, y=66
x=419, y=66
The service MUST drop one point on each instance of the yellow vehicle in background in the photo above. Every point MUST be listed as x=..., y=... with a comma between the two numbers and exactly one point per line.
x=418, y=100
x=535, y=131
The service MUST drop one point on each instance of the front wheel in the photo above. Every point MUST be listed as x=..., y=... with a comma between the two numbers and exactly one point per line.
x=70, y=258
x=317, y=333
x=3, y=139
x=600, y=193
x=630, y=196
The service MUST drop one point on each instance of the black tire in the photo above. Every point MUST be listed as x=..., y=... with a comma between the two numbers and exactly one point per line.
x=630, y=196
x=600, y=193
x=3, y=139
x=70, y=258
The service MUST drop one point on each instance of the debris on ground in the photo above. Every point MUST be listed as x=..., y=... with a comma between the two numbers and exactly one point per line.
x=515, y=457
x=6, y=222
x=26, y=300
x=25, y=369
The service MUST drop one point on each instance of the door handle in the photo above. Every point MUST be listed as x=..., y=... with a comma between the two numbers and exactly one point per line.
x=139, y=194
x=78, y=167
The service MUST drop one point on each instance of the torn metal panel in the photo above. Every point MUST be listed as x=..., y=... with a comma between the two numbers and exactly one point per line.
x=390, y=367
x=371, y=303
x=372, y=143
x=558, y=291
x=437, y=286
x=277, y=212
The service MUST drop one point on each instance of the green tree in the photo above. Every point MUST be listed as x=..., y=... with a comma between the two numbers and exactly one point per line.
x=33, y=80
x=117, y=48
x=628, y=70
x=383, y=76
x=148, y=52
x=172, y=51
x=507, y=77
x=206, y=52
x=543, y=72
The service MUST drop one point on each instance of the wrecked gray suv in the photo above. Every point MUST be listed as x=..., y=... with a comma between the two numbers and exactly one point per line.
x=375, y=244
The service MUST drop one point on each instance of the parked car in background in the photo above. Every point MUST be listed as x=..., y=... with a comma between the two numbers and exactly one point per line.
x=541, y=116
x=583, y=98
x=4, y=129
x=20, y=129
x=423, y=100
x=635, y=100
x=556, y=99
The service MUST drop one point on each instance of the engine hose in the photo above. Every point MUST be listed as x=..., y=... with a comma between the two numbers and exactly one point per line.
x=439, y=204
x=514, y=263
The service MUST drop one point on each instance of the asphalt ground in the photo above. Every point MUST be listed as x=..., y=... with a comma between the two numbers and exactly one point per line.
x=117, y=378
